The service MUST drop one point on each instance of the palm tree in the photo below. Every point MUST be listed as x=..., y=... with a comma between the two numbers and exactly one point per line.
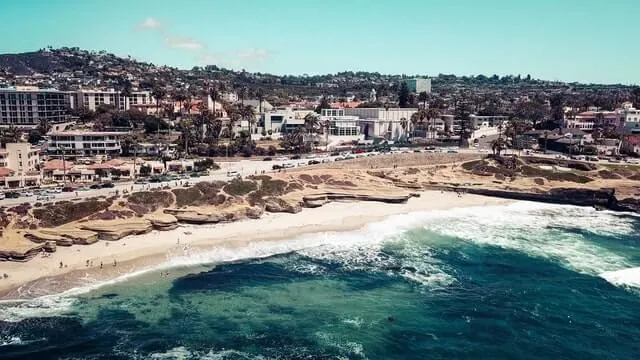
x=403, y=125
x=432, y=114
x=415, y=119
x=423, y=97
x=249, y=114
x=158, y=93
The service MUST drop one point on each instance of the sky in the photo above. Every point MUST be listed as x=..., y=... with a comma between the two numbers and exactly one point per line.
x=592, y=41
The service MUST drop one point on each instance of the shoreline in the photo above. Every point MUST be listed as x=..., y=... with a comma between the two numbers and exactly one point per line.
x=186, y=245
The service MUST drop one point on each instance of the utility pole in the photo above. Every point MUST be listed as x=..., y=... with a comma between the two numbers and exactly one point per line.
x=64, y=170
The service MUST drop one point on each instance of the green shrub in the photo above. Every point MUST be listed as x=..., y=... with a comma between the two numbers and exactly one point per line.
x=239, y=187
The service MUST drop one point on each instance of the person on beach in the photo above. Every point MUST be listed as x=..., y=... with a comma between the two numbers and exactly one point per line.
x=5, y=275
x=100, y=264
x=61, y=264
x=87, y=263
x=114, y=263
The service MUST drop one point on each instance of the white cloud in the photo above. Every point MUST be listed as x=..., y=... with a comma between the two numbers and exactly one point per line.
x=149, y=24
x=184, y=43
x=252, y=54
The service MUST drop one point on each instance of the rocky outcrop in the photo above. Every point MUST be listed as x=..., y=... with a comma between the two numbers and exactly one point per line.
x=627, y=204
x=21, y=256
x=198, y=216
x=112, y=231
x=163, y=222
x=278, y=205
x=79, y=237
x=602, y=198
x=40, y=237
x=319, y=199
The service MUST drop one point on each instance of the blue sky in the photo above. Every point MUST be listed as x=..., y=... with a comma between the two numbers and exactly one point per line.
x=568, y=40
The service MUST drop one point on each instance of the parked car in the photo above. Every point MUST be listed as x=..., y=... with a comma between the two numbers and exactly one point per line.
x=335, y=153
x=194, y=175
x=313, y=162
x=232, y=173
x=339, y=158
x=107, y=185
x=140, y=181
x=94, y=186
x=276, y=167
x=44, y=198
x=295, y=157
x=267, y=159
x=27, y=193
x=12, y=195
x=288, y=165
x=68, y=189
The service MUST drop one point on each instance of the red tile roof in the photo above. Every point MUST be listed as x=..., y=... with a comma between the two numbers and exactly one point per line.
x=632, y=139
x=57, y=165
x=5, y=172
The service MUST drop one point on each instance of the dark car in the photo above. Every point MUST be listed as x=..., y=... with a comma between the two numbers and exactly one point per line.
x=314, y=162
x=155, y=179
x=12, y=195
x=267, y=159
x=107, y=185
x=295, y=157
x=94, y=186
x=195, y=175
x=335, y=153
x=276, y=167
x=68, y=189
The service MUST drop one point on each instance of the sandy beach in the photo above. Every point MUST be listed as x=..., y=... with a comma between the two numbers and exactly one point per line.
x=99, y=262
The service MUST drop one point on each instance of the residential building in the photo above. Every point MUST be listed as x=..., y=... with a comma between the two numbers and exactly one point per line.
x=92, y=99
x=381, y=122
x=28, y=106
x=20, y=165
x=589, y=120
x=419, y=85
x=341, y=125
x=630, y=144
x=281, y=121
x=72, y=144
x=479, y=121
x=229, y=97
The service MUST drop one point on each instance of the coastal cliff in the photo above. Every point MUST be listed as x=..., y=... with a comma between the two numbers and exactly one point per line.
x=30, y=229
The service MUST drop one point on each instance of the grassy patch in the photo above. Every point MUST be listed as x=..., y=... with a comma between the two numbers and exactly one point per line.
x=64, y=212
x=143, y=202
x=239, y=187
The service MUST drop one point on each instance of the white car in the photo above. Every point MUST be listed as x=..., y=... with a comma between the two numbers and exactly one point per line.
x=27, y=193
x=284, y=158
x=311, y=156
x=288, y=165
x=232, y=173
x=44, y=198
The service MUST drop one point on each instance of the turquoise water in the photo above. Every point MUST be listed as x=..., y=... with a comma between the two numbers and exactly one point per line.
x=525, y=281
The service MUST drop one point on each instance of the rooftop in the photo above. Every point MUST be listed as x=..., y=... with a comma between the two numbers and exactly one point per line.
x=87, y=133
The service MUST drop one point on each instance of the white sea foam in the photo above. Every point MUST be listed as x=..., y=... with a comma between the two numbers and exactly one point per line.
x=625, y=277
x=536, y=230
x=518, y=226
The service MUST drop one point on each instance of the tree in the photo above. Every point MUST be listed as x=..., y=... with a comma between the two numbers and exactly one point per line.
x=432, y=114
x=324, y=104
x=497, y=146
x=423, y=97
x=403, y=94
x=415, y=119
x=145, y=170
x=248, y=113
x=9, y=135
x=403, y=124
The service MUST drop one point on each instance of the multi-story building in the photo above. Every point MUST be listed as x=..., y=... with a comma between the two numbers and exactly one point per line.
x=21, y=163
x=479, y=121
x=341, y=125
x=419, y=85
x=92, y=99
x=28, y=106
x=281, y=121
x=72, y=144
x=391, y=123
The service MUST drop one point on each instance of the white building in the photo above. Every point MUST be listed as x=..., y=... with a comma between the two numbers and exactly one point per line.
x=382, y=122
x=279, y=121
x=419, y=85
x=19, y=163
x=341, y=126
x=478, y=121
x=92, y=99
x=84, y=144
x=28, y=106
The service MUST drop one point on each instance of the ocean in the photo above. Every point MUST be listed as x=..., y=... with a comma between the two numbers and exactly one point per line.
x=517, y=281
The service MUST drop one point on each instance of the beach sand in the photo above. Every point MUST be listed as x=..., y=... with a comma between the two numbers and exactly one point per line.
x=136, y=254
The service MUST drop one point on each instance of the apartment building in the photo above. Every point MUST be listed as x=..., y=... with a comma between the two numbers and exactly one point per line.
x=92, y=99
x=20, y=165
x=419, y=85
x=28, y=106
x=73, y=144
x=279, y=121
